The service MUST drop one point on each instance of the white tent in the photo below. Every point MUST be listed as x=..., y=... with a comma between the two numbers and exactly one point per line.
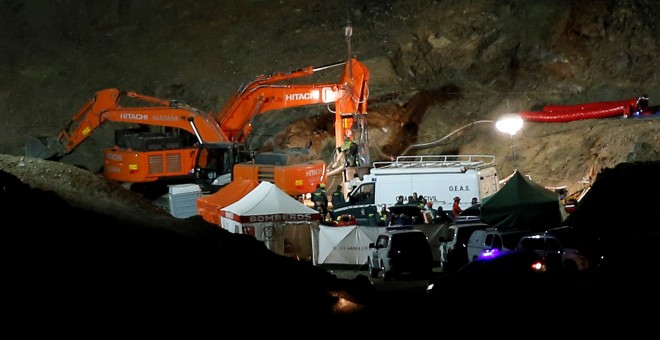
x=345, y=245
x=349, y=245
x=272, y=216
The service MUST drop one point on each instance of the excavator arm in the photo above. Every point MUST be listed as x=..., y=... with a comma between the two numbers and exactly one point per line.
x=105, y=107
x=266, y=93
x=353, y=106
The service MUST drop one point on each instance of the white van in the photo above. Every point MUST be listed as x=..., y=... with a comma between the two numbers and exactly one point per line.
x=438, y=178
x=400, y=251
x=485, y=242
x=453, y=245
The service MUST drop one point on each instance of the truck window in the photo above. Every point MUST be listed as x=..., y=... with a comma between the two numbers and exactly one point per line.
x=364, y=194
x=488, y=241
x=450, y=235
x=227, y=165
x=529, y=243
x=552, y=245
x=497, y=243
x=215, y=162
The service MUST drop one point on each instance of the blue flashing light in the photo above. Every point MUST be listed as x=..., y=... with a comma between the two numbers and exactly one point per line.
x=490, y=254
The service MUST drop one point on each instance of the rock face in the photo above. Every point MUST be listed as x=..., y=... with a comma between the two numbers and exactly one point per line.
x=435, y=67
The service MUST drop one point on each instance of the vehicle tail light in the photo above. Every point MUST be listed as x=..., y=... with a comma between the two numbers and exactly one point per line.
x=538, y=266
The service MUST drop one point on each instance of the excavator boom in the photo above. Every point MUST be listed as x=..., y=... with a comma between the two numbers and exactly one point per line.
x=266, y=93
x=105, y=107
x=88, y=118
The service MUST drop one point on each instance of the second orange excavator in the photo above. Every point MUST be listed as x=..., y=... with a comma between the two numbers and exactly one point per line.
x=169, y=141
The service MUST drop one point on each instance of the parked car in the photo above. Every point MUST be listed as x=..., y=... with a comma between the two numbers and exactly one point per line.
x=515, y=286
x=484, y=242
x=453, y=246
x=480, y=279
x=558, y=248
x=401, y=251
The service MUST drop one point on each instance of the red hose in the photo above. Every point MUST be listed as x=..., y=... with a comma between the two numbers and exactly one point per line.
x=567, y=116
x=568, y=113
x=632, y=102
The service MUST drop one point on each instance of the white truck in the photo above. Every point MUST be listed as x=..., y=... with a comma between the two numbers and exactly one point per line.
x=439, y=178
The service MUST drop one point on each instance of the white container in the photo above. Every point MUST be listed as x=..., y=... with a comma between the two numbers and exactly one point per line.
x=183, y=200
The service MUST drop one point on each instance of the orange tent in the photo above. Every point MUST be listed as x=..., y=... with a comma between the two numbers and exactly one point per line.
x=209, y=206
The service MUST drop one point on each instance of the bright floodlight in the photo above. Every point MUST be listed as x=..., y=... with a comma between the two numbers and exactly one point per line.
x=509, y=123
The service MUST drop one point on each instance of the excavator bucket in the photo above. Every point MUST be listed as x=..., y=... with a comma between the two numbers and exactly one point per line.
x=44, y=147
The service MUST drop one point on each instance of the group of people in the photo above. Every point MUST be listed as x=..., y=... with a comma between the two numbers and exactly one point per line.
x=413, y=199
x=320, y=198
x=430, y=214
x=321, y=204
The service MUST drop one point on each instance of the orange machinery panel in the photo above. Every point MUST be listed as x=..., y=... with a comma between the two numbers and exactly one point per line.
x=296, y=179
x=123, y=165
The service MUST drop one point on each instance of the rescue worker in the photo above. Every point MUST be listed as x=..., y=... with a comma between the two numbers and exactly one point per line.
x=373, y=219
x=338, y=199
x=456, y=209
x=350, y=150
x=353, y=153
x=325, y=196
x=320, y=200
x=434, y=212
x=384, y=215
x=414, y=199
x=419, y=200
x=411, y=200
x=442, y=216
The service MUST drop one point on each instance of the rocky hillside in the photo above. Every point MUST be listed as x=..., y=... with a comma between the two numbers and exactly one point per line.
x=436, y=66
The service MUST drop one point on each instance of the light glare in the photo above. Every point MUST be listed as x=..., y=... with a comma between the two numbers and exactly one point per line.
x=509, y=123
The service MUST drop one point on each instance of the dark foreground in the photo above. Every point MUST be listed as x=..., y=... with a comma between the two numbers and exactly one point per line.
x=74, y=272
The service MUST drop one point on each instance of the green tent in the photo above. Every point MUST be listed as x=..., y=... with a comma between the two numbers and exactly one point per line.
x=523, y=204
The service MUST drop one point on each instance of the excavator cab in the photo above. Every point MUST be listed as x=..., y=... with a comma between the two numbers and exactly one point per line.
x=214, y=164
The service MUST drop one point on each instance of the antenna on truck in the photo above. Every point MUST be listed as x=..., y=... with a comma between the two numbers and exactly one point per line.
x=348, y=33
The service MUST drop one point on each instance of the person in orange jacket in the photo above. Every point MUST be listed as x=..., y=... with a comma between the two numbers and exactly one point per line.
x=456, y=209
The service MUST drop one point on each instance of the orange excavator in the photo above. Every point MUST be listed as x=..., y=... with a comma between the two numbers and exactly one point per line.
x=171, y=142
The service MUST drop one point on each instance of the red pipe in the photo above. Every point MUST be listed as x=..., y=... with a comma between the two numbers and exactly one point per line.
x=632, y=102
x=568, y=113
x=568, y=116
